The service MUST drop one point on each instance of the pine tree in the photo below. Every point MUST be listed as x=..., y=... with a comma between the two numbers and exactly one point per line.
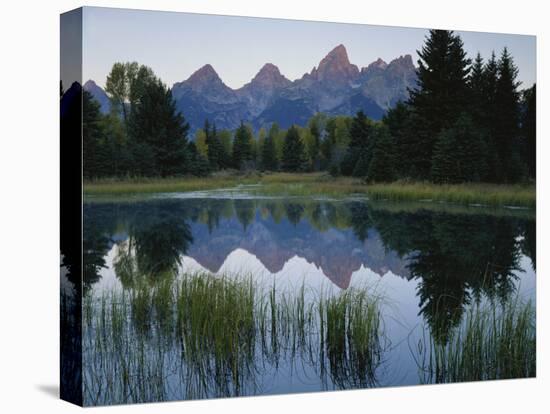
x=476, y=84
x=397, y=119
x=441, y=95
x=382, y=164
x=269, y=160
x=294, y=154
x=199, y=164
x=159, y=132
x=445, y=168
x=507, y=118
x=224, y=157
x=488, y=115
x=362, y=165
x=93, y=137
x=242, y=147
x=460, y=153
x=214, y=146
x=358, y=144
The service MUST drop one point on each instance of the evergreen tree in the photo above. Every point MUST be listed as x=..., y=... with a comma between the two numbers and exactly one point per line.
x=507, y=118
x=487, y=118
x=214, y=146
x=198, y=163
x=226, y=138
x=224, y=157
x=159, y=131
x=94, y=155
x=529, y=129
x=381, y=167
x=358, y=144
x=441, y=95
x=459, y=155
x=269, y=160
x=242, y=147
x=398, y=121
x=362, y=165
x=476, y=83
x=294, y=155
x=119, y=160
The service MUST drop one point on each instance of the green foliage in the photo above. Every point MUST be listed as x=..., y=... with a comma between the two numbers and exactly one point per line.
x=463, y=122
x=243, y=155
x=507, y=118
x=198, y=163
x=382, y=164
x=95, y=151
x=492, y=342
x=269, y=161
x=294, y=155
x=401, y=128
x=359, y=133
x=159, y=132
x=216, y=151
x=117, y=89
x=459, y=155
x=442, y=73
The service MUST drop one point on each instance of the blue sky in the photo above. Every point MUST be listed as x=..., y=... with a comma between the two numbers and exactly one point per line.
x=174, y=45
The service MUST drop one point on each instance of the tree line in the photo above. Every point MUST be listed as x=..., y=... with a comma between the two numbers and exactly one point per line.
x=464, y=122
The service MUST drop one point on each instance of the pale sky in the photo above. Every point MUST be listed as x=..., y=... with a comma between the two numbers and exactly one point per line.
x=175, y=45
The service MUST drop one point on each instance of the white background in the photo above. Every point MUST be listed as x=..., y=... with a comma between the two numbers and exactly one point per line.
x=29, y=207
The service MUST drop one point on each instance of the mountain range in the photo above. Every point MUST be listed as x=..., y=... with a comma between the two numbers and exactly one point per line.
x=335, y=87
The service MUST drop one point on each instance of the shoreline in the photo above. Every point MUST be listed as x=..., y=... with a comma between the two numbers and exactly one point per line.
x=320, y=184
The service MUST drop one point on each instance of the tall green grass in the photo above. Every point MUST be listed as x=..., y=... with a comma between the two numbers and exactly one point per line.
x=218, y=336
x=202, y=336
x=493, y=342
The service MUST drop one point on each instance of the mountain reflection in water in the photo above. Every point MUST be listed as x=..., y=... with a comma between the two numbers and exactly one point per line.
x=430, y=266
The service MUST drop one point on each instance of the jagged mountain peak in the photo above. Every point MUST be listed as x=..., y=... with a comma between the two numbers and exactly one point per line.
x=338, y=53
x=378, y=63
x=269, y=76
x=403, y=61
x=335, y=66
x=203, y=75
x=334, y=86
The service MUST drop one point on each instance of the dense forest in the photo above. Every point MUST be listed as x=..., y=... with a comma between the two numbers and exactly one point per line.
x=466, y=121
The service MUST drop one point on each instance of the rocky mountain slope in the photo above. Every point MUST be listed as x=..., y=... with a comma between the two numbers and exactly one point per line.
x=335, y=86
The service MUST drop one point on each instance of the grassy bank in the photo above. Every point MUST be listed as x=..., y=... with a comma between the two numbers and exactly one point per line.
x=320, y=184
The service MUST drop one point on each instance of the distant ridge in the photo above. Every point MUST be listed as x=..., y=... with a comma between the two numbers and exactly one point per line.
x=335, y=86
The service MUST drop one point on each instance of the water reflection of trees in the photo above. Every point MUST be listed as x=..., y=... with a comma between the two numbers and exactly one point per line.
x=457, y=258
x=153, y=236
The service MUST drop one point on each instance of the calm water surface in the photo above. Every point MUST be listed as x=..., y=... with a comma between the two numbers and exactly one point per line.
x=428, y=267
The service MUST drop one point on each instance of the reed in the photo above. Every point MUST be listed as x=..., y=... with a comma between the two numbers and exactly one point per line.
x=493, y=342
x=218, y=335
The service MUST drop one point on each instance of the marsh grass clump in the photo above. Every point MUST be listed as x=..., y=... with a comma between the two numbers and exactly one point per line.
x=218, y=335
x=217, y=328
x=352, y=337
x=493, y=342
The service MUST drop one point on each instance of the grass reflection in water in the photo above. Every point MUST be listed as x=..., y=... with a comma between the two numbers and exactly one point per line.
x=203, y=336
